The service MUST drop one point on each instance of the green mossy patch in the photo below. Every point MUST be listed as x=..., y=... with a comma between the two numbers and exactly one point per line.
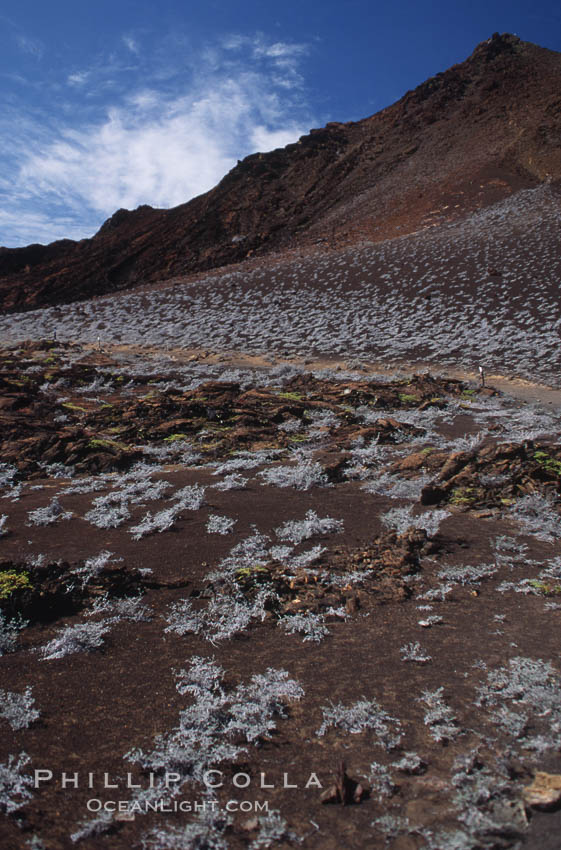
x=545, y=589
x=464, y=496
x=71, y=406
x=10, y=581
x=291, y=396
x=102, y=443
x=548, y=462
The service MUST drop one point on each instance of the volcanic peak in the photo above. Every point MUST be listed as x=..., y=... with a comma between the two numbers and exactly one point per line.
x=463, y=139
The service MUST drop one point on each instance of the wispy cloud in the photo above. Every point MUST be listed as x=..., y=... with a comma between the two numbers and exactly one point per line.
x=283, y=56
x=30, y=45
x=160, y=143
x=158, y=152
x=131, y=44
x=78, y=79
x=40, y=227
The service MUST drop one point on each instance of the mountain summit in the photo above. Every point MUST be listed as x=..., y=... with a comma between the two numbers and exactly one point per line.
x=461, y=140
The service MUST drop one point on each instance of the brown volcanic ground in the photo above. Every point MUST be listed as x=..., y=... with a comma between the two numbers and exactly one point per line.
x=461, y=140
x=389, y=542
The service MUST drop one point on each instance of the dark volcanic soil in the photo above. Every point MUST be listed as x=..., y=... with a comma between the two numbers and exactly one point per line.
x=389, y=542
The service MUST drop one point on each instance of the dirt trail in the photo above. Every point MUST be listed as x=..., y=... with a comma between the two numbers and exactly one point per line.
x=519, y=388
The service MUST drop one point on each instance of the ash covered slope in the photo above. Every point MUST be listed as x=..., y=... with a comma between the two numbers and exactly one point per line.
x=459, y=141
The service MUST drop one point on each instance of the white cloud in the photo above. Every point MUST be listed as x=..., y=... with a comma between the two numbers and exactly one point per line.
x=279, y=50
x=78, y=79
x=263, y=139
x=154, y=145
x=162, y=153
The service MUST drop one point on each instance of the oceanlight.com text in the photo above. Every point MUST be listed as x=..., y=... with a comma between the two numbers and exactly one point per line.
x=134, y=807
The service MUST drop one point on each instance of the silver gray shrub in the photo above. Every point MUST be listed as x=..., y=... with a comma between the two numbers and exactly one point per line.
x=84, y=637
x=364, y=714
x=308, y=624
x=18, y=709
x=203, y=737
x=14, y=785
x=312, y=525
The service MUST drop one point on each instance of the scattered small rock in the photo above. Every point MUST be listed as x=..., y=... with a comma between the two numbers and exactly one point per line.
x=344, y=790
x=545, y=791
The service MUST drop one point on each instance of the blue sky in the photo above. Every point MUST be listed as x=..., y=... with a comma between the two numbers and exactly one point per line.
x=115, y=104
